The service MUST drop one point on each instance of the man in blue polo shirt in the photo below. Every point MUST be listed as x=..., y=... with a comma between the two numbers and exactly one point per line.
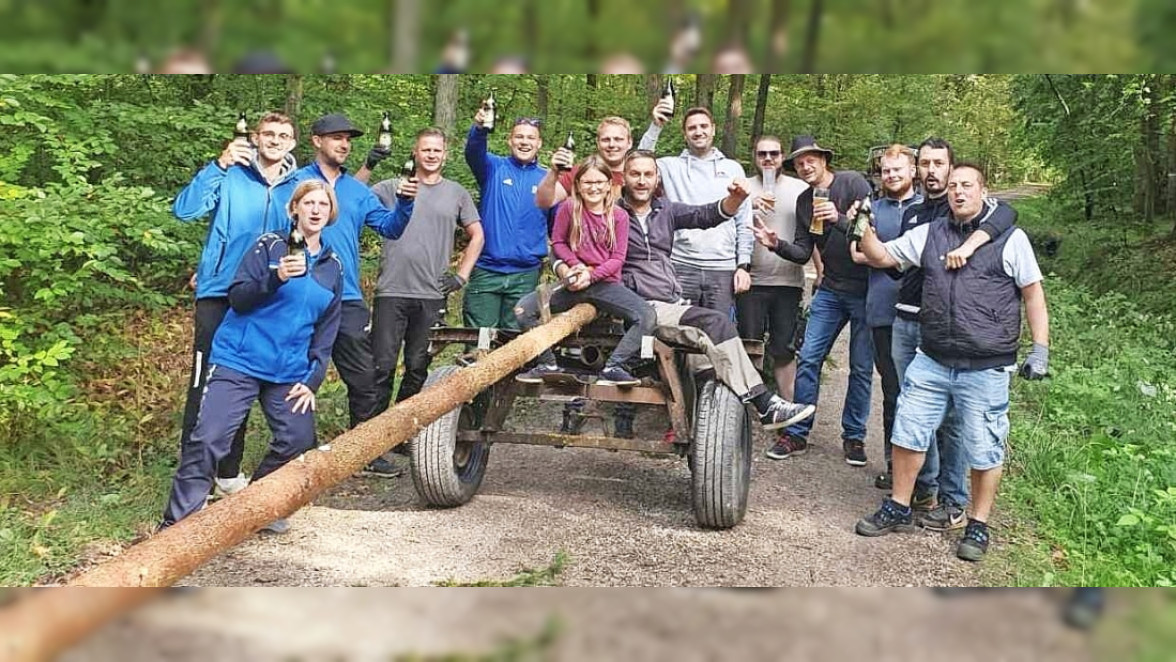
x=515, y=229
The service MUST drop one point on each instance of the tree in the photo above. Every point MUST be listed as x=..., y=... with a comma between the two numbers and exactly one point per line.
x=761, y=106
x=704, y=94
x=734, y=113
x=406, y=29
x=294, y=96
x=777, y=36
x=445, y=103
x=808, y=62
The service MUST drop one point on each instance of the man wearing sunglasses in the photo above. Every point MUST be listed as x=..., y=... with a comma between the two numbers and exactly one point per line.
x=244, y=192
x=515, y=229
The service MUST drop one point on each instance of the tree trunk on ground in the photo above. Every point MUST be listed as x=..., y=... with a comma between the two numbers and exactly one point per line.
x=51, y=621
x=761, y=106
x=445, y=103
x=406, y=28
x=777, y=36
x=175, y=552
x=704, y=93
x=731, y=124
x=808, y=63
x=294, y=96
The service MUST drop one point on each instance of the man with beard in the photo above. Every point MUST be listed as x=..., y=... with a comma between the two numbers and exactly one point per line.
x=941, y=492
x=358, y=207
x=971, y=327
x=244, y=191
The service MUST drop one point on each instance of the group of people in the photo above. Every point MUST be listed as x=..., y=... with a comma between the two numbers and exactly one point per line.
x=683, y=247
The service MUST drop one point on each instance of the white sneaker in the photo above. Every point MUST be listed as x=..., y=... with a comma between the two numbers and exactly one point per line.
x=223, y=487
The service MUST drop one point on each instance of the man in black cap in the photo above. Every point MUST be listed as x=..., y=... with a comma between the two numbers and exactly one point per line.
x=358, y=206
x=840, y=299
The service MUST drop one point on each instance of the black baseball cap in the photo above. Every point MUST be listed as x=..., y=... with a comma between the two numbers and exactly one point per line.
x=334, y=123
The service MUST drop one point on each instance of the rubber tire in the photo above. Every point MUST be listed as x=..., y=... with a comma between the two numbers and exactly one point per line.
x=722, y=457
x=438, y=479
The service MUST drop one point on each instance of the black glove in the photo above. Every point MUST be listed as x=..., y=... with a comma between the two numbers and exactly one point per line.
x=1036, y=365
x=451, y=283
x=375, y=156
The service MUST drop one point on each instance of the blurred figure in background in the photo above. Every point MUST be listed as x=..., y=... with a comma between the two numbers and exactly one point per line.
x=185, y=61
x=732, y=59
x=684, y=44
x=455, y=56
x=510, y=64
x=622, y=63
x=261, y=62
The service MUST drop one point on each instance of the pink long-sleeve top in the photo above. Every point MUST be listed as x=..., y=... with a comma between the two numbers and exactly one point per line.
x=594, y=251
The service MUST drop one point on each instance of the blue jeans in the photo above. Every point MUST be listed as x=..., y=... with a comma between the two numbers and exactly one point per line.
x=945, y=469
x=829, y=312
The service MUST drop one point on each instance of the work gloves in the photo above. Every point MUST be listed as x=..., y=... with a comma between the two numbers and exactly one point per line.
x=375, y=156
x=451, y=283
x=1036, y=364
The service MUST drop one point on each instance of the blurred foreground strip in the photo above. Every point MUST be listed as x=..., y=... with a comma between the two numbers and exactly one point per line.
x=40, y=624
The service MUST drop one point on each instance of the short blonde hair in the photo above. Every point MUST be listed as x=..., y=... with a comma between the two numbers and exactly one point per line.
x=613, y=120
x=313, y=185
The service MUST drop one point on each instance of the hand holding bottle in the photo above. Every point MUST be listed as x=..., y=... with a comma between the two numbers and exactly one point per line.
x=292, y=266
x=237, y=152
x=562, y=159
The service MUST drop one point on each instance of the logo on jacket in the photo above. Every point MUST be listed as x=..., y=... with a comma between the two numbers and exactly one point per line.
x=508, y=181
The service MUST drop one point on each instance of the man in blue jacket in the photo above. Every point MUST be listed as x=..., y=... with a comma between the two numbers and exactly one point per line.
x=358, y=206
x=515, y=229
x=244, y=191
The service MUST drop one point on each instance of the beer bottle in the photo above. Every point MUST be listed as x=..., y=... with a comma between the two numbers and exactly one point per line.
x=408, y=170
x=488, y=111
x=865, y=214
x=384, y=137
x=295, y=241
x=570, y=145
x=668, y=93
x=241, y=131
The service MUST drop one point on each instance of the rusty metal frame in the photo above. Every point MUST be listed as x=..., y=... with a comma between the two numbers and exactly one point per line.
x=571, y=441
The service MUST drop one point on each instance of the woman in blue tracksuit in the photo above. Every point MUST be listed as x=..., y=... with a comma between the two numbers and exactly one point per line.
x=273, y=345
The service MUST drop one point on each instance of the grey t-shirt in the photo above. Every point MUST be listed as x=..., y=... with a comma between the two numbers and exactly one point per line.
x=1018, y=259
x=768, y=268
x=411, y=266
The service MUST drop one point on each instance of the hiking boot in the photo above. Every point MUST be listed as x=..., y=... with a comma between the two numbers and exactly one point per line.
x=535, y=375
x=381, y=468
x=787, y=446
x=923, y=501
x=855, y=452
x=223, y=487
x=944, y=517
x=884, y=481
x=974, y=544
x=781, y=413
x=278, y=526
x=887, y=519
x=617, y=376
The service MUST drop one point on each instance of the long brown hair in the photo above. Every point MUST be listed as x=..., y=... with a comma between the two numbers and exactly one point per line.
x=593, y=162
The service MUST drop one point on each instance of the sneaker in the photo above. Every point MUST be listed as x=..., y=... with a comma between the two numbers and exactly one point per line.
x=535, y=375
x=617, y=376
x=887, y=519
x=278, y=526
x=381, y=468
x=884, y=481
x=855, y=452
x=223, y=487
x=974, y=544
x=781, y=413
x=944, y=517
x=787, y=446
x=923, y=501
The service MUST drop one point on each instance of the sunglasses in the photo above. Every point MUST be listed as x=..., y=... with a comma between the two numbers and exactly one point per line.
x=774, y=154
x=529, y=121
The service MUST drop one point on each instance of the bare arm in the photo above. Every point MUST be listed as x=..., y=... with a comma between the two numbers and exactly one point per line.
x=1036, y=311
x=550, y=193
x=364, y=174
x=875, y=252
x=474, y=249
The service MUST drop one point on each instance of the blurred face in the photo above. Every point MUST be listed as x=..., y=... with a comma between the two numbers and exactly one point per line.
x=898, y=175
x=429, y=154
x=524, y=143
x=641, y=180
x=613, y=142
x=733, y=61
x=965, y=194
x=274, y=141
x=333, y=147
x=769, y=154
x=593, y=187
x=313, y=211
x=934, y=167
x=699, y=132
x=811, y=167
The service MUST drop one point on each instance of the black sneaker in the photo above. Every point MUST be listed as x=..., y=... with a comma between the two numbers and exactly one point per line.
x=617, y=376
x=923, y=501
x=974, y=544
x=855, y=452
x=381, y=468
x=787, y=446
x=944, y=517
x=887, y=519
x=535, y=375
x=782, y=413
x=884, y=481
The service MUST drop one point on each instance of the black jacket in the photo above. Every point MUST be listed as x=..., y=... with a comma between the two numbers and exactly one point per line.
x=841, y=273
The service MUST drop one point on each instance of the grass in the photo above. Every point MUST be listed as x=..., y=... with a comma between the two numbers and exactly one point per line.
x=548, y=576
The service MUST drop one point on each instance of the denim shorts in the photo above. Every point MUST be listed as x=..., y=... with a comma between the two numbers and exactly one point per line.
x=980, y=398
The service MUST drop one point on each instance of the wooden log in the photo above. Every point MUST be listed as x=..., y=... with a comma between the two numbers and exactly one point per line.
x=45, y=622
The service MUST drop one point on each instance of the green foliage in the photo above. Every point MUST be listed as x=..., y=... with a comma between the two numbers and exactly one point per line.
x=548, y=576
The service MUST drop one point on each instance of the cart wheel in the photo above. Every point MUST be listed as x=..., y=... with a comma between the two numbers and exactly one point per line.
x=446, y=472
x=721, y=455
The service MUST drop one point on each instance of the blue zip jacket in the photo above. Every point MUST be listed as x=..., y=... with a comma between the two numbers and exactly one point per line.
x=515, y=229
x=281, y=332
x=883, y=291
x=358, y=207
x=243, y=206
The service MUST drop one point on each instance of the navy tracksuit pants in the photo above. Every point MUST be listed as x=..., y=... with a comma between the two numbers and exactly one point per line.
x=228, y=395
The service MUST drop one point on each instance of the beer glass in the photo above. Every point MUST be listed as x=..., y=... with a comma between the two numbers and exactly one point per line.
x=817, y=226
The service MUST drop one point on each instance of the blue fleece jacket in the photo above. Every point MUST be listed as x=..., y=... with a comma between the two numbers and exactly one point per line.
x=358, y=207
x=883, y=291
x=243, y=206
x=515, y=229
x=281, y=332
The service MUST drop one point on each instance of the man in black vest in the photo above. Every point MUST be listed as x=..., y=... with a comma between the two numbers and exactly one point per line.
x=971, y=327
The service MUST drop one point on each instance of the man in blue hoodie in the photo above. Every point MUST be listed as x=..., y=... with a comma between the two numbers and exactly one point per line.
x=244, y=191
x=515, y=228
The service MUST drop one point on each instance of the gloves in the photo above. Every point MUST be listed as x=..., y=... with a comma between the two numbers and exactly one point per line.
x=1036, y=364
x=451, y=283
x=375, y=156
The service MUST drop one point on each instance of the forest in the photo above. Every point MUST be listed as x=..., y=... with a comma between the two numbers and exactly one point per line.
x=94, y=269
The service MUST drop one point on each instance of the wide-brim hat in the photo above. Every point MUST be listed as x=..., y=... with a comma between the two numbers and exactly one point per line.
x=804, y=145
x=334, y=123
